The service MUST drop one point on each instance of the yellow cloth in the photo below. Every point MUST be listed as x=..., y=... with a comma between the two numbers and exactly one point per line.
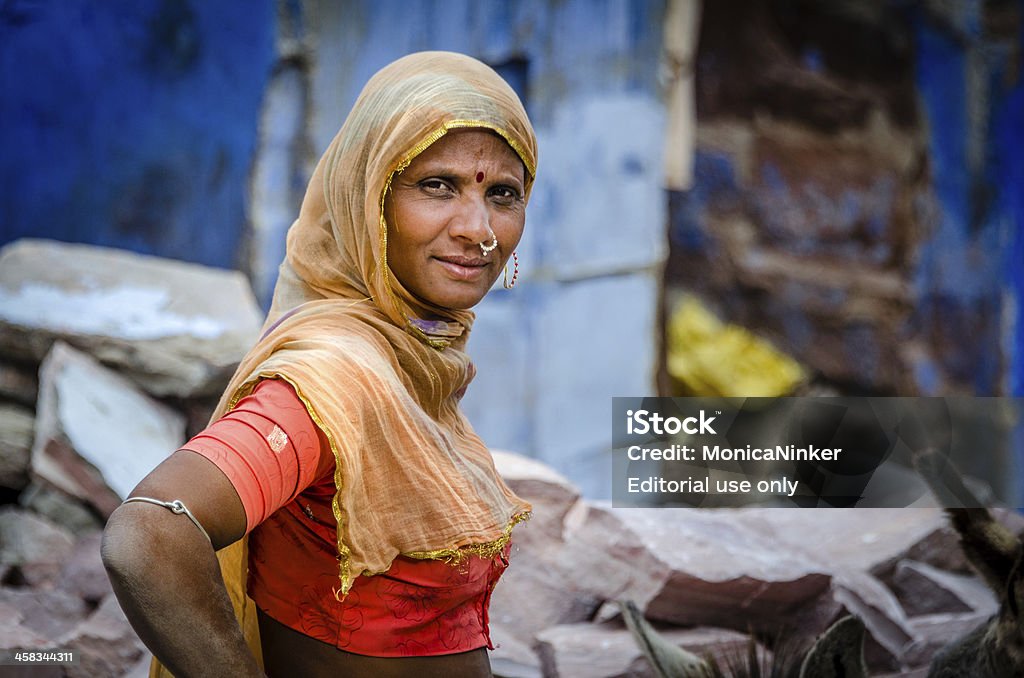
x=709, y=358
x=412, y=476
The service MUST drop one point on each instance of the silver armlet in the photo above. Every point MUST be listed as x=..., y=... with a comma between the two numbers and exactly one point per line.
x=176, y=506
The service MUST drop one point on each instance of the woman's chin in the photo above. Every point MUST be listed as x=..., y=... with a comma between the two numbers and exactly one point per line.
x=453, y=299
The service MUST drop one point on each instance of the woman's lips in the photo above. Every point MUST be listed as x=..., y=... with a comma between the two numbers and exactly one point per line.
x=463, y=268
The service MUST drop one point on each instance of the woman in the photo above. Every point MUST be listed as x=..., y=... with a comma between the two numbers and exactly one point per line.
x=364, y=516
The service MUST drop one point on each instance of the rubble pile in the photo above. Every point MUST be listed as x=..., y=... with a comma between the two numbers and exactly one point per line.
x=111, y=360
x=108, y=361
x=713, y=579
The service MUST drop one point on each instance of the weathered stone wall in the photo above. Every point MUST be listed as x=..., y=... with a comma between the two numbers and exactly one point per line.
x=851, y=200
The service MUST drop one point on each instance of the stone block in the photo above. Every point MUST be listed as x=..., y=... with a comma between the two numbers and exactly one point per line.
x=933, y=632
x=175, y=329
x=83, y=573
x=539, y=590
x=858, y=538
x=139, y=669
x=693, y=567
x=46, y=614
x=551, y=495
x=940, y=546
x=17, y=426
x=14, y=634
x=889, y=633
x=97, y=435
x=610, y=650
x=60, y=507
x=19, y=383
x=923, y=589
x=105, y=643
x=511, y=657
x=27, y=540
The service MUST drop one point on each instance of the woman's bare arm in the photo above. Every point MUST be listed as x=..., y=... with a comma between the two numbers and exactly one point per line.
x=165, y=574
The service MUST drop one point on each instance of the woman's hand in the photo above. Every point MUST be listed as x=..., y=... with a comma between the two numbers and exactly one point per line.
x=166, y=576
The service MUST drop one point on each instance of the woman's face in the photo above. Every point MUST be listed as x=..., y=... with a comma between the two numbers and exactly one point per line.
x=465, y=189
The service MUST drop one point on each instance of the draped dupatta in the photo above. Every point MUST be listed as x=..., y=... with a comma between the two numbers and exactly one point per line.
x=411, y=476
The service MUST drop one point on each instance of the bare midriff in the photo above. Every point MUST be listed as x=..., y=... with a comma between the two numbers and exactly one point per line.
x=287, y=652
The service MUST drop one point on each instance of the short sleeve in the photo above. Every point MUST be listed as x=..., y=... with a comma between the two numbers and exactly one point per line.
x=268, y=447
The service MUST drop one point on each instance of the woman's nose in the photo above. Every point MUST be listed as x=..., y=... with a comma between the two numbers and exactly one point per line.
x=472, y=221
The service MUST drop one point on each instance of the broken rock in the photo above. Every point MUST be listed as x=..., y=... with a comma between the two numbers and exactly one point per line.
x=176, y=329
x=33, y=544
x=923, y=589
x=59, y=507
x=694, y=567
x=83, y=573
x=16, y=430
x=104, y=644
x=97, y=435
x=512, y=658
x=19, y=383
x=49, y=614
x=610, y=651
x=551, y=494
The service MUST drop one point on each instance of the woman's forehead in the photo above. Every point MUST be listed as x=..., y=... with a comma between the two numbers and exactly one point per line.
x=470, y=147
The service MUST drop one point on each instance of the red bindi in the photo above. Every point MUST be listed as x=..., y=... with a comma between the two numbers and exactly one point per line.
x=479, y=177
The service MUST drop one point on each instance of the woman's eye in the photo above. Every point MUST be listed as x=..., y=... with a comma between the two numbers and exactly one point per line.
x=504, y=194
x=435, y=186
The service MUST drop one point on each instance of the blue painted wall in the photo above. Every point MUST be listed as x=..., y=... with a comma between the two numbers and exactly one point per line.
x=1008, y=178
x=131, y=123
x=972, y=264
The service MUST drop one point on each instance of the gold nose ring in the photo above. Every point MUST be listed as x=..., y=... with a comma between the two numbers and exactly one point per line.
x=487, y=249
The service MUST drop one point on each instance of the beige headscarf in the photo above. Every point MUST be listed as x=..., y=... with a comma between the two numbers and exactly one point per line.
x=412, y=477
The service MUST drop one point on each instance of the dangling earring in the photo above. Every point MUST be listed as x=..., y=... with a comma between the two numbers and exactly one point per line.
x=506, y=283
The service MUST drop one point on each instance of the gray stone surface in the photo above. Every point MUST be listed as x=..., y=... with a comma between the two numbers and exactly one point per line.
x=140, y=669
x=17, y=426
x=537, y=591
x=934, y=631
x=14, y=634
x=857, y=538
x=511, y=657
x=889, y=633
x=940, y=546
x=59, y=507
x=550, y=493
x=610, y=651
x=707, y=577
x=104, y=642
x=97, y=435
x=83, y=573
x=19, y=383
x=173, y=328
x=697, y=567
x=26, y=538
x=46, y=614
x=923, y=589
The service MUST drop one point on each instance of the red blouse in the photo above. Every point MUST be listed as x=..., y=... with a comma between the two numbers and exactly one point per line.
x=282, y=467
